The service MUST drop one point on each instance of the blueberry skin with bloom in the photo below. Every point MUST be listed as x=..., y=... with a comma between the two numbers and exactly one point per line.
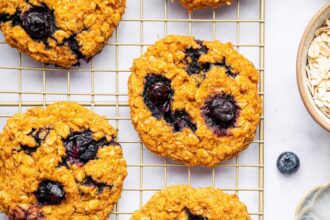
x=288, y=163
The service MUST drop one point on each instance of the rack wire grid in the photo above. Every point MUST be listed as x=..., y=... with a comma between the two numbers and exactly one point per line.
x=101, y=85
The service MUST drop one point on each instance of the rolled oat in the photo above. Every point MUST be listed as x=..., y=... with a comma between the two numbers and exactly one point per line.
x=318, y=68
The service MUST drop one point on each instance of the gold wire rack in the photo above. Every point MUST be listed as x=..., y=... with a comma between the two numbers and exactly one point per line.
x=113, y=98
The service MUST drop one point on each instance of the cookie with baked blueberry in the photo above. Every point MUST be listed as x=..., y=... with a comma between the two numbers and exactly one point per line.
x=61, y=162
x=194, y=101
x=201, y=4
x=59, y=32
x=188, y=203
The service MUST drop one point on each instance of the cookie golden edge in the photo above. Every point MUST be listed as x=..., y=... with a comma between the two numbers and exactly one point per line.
x=192, y=5
x=150, y=130
x=20, y=173
x=91, y=42
x=173, y=203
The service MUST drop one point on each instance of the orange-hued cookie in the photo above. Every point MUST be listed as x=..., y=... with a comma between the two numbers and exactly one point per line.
x=200, y=4
x=59, y=32
x=194, y=101
x=183, y=202
x=60, y=162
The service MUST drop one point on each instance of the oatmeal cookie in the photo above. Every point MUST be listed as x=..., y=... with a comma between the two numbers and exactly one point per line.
x=183, y=202
x=200, y=4
x=61, y=162
x=194, y=101
x=59, y=32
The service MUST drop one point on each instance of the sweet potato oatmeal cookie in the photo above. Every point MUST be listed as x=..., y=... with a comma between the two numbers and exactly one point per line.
x=59, y=32
x=60, y=162
x=183, y=202
x=194, y=101
x=200, y=4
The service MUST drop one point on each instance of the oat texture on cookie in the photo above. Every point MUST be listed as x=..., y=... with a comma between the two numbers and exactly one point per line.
x=184, y=202
x=60, y=162
x=200, y=4
x=194, y=101
x=59, y=32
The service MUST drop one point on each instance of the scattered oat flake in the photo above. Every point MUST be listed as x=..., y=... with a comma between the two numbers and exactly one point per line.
x=318, y=68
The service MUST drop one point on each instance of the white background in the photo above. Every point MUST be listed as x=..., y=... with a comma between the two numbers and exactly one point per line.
x=287, y=124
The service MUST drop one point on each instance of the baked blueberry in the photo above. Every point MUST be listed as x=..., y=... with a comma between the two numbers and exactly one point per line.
x=195, y=67
x=39, y=136
x=50, y=192
x=192, y=59
x=220, y=112
x=179, y=120
x=75, y=47
x=222, y=109
x=4, y=17
x=100, y=186
x=81, y=147
x=39, y=22
x=158, y=95
x=29, y=150
x=288, y=163
x=191, y=216
x=195, y=54
x=15, y=18
x=229, y=70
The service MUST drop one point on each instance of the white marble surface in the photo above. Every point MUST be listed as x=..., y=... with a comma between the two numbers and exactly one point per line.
x=288, y=124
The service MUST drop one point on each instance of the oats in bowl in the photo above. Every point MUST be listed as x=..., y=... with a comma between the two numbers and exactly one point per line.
x=318, y=68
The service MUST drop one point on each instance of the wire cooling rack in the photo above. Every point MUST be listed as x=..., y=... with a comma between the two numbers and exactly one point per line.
x=101, y=85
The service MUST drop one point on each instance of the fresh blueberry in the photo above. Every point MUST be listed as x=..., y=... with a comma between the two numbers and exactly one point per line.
x=50, y=193
x=288, y=163
x=39, y=22
x=191, y=216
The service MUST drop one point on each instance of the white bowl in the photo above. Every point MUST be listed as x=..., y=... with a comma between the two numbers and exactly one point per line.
x=315, y=205
x=317, y=21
